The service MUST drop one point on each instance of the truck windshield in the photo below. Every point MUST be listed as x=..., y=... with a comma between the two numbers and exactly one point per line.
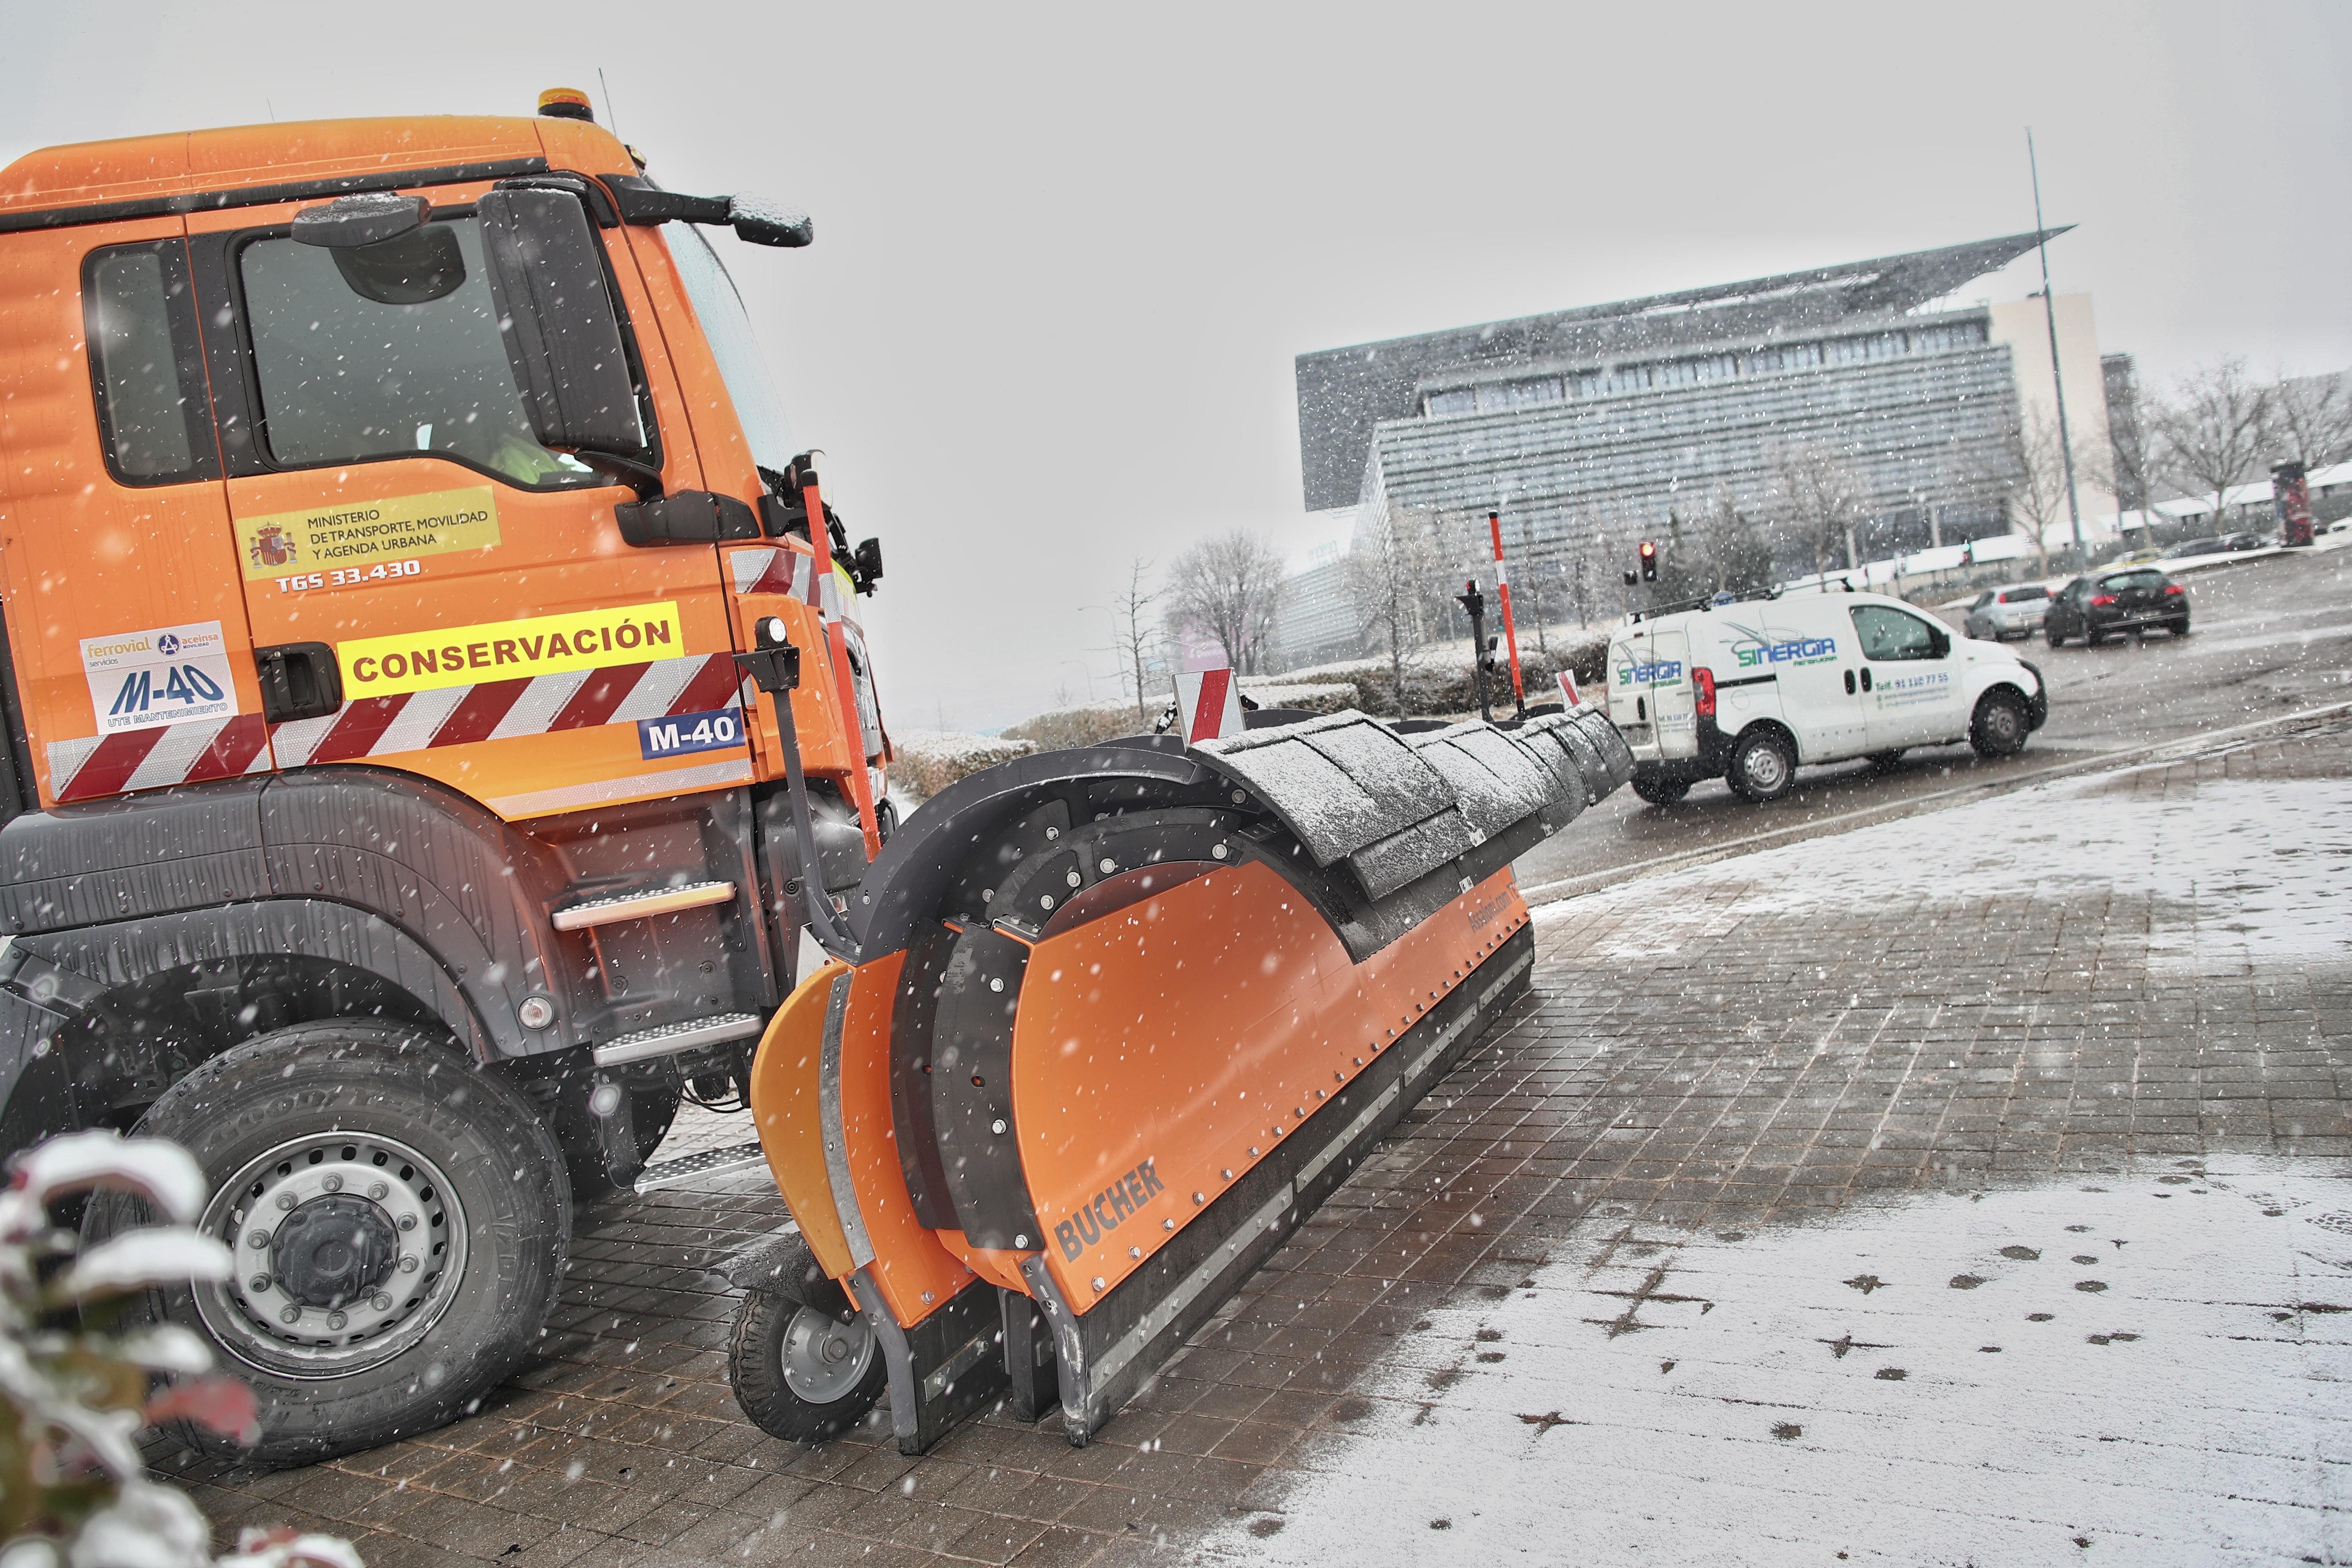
x=720, y=309
x=345, y=377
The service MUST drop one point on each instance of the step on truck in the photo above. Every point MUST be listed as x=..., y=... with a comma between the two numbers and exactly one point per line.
x=440, y=738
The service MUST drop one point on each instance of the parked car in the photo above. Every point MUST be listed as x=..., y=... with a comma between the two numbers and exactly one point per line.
x=1998, y=614
x=2096, y=606
x=1749, y=692
x=2217, y=544
x=2140, y=557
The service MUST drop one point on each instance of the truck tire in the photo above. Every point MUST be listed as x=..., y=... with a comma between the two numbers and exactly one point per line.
x=1999, y=725
x=805, y=1364
x=1661, y=789
x=429, y=1211
x=1763, y=766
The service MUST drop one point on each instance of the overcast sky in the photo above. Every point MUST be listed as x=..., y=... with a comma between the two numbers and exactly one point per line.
x=1065, y=256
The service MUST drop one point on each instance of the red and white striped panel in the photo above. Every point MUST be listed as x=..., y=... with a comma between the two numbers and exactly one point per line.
x=382, y=726
x=503, y=710
x=772, y=571
x=164, y=755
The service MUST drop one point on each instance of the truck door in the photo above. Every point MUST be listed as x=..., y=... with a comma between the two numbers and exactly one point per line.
x=399, y=531
x=1910, y=690
x=126, y=623
x=1810, y=651
x=1666, y=682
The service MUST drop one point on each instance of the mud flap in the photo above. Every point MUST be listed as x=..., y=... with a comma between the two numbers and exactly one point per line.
x=943, y=1369
x=1035, y=1386
x=1103, y=1357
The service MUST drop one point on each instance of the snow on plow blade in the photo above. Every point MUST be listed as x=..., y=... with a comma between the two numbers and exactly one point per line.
x=1121, y=1016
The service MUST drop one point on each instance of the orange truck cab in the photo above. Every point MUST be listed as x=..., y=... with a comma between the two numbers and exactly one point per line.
x=383, y=507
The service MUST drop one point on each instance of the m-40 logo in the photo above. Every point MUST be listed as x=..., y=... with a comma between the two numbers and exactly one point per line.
x=179, y=685
x=1664, y=672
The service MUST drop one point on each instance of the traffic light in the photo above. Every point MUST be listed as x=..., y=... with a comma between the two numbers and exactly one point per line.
x=1649, y=560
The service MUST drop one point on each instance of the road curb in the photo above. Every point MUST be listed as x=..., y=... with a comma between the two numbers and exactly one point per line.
x=2164, y=752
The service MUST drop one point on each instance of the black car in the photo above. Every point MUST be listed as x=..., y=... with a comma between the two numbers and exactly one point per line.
x=2126, y=599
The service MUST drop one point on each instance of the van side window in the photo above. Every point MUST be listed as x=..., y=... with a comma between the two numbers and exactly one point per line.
x=146, y=366
x=345, y=375
x=1889, y=633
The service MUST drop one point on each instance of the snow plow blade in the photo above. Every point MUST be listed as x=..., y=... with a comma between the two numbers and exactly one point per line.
x=1120, y=1017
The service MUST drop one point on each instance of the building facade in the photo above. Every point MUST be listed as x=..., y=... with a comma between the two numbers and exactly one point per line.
x=1588, y=428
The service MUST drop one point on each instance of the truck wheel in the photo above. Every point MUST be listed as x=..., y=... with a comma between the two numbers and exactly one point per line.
x=399, y=1219
x=1999, y=726
x=1762, y=766
x=1661, y=789
x=806, y=1364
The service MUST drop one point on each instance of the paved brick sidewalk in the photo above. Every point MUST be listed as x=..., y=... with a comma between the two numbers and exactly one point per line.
x=1700, y=1054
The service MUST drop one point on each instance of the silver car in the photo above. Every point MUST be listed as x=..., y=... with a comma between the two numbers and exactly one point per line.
x=2000, y=614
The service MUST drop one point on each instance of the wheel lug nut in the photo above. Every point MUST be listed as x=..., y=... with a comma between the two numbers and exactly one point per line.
x=336, y=1320
x=408, y=1222
x=285, y=1200
x=380, y=1302
x=408, y=1266
x=332, y=1183
x=291, y=1315
x=257, y=1238
x=377, y=1190
x=259, y=1283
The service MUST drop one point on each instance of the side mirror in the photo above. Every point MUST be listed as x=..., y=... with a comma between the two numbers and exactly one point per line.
x=762, y=222
x=867, y=564
x=556, y=318
x=383, y=246
x=1939, y=641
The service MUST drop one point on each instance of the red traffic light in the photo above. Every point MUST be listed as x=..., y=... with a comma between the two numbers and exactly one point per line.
x=1649, y=560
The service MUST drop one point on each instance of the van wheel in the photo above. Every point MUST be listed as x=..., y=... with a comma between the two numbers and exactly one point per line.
x=1763, y=767
x=805, y=1364
x=1884, y=762
x=1999, y=726
x=399, y=1219
x=1661, y=789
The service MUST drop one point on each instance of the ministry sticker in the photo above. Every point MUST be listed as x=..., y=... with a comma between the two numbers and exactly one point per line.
x=359, y=532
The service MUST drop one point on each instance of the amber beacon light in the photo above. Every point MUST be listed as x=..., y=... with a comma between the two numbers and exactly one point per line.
x=565, y=103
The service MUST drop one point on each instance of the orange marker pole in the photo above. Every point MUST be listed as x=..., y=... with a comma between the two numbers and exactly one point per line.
x=1503, y=592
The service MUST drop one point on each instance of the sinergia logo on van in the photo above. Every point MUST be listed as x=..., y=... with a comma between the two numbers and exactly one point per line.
x=1752, y=652
x=1661, y=672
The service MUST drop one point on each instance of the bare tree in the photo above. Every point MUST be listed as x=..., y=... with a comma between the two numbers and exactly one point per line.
x=1821, y=500
x=1229, y=588
x=2311, y=419
x=1135, y=635
x=2212, y=433
x=1737, y=556
x=1390, y=563
x=2033, y=478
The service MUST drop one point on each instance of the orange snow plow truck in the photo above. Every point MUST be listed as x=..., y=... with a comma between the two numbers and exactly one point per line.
x=440, y=738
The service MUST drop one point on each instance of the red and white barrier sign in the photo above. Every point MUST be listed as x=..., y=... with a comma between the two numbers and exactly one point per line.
x=1208, y=698
x=1568, y=690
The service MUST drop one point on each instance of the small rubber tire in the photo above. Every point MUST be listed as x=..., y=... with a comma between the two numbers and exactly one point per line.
x=1763, y=767
x=2001, y=724
x=764, y=1323
x=505, y=1176
x=1661, y=789
x=2180, y=628
x=2092, y=637
x=2050, y=635
x=1884, y=762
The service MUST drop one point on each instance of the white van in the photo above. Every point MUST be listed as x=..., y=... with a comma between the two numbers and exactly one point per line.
x=1746, y=691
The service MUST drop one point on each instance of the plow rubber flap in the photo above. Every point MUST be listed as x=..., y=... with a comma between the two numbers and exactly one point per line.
x=1105, y=1353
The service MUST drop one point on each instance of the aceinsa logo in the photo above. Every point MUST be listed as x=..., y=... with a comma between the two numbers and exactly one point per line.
x=1103, y=1213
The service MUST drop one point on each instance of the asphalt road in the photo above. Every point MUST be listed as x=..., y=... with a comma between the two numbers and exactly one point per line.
x=2269, y=636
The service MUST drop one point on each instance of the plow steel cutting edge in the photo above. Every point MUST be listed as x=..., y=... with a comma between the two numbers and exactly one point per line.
x=1117, y=1019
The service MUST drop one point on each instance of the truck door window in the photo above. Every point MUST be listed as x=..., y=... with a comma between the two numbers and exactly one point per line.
x=344, y=378
x=1889, y=633
x=728, y=328
x=145, y=364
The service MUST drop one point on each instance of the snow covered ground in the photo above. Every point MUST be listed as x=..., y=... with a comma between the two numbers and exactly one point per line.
x=2149, y=1367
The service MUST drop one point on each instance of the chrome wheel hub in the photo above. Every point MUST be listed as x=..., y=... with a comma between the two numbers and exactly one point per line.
x=823, y=1357
x=1764, y=768
x=348, y=1248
